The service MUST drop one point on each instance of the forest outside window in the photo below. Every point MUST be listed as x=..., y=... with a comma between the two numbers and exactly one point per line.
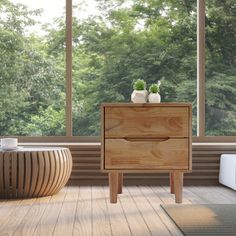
x=32, y=68
x=122, y=41
x=114, y=42
x=220, y=68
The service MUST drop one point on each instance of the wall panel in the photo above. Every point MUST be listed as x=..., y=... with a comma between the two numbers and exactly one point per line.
x=206, y=161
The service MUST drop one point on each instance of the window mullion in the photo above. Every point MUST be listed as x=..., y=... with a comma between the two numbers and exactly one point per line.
x=201, y=68
x=68, y=67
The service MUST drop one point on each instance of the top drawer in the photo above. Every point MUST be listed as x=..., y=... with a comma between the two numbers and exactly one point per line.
x=150, y=121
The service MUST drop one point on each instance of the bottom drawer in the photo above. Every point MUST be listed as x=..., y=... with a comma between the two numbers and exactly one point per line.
x=142, y=154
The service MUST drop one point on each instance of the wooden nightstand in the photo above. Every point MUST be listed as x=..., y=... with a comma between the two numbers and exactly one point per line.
x=145, y=138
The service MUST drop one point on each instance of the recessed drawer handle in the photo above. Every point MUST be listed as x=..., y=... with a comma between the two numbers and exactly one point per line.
x=143, y=139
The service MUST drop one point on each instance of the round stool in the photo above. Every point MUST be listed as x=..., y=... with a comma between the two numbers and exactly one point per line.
x=34, y=171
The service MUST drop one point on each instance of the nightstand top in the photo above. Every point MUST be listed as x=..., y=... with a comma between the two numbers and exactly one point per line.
x=130, y=104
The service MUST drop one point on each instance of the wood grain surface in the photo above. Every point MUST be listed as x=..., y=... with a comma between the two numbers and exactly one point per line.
x=85, y=213
x=170, y=154
x=146, y=121
x=146, y=138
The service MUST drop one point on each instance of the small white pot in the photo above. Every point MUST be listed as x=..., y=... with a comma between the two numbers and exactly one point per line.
x=139, y=96
x=154, y=98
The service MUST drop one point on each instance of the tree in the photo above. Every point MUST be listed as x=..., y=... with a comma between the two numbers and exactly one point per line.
x=220, y=68
x=150, y=40
x=147, y=39
x=30, y=80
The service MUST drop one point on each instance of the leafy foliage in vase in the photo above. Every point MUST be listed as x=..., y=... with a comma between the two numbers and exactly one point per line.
x=154, y=88
x=147, y=39
x=139, y=84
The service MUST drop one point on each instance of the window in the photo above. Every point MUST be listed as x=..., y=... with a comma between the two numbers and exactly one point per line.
x=126, y=41
x=43, y=92
x=220, y=68
x=32, y=68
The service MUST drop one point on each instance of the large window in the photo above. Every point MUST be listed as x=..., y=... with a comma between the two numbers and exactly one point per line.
x=32, y=68
x=220, y=68
x=61, y=59
x=118, y=42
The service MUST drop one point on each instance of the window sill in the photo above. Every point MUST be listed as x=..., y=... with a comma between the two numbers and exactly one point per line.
x=99, y=143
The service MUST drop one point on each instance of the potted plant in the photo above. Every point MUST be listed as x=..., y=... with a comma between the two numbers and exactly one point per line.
x=140, y=93
x=154, y=96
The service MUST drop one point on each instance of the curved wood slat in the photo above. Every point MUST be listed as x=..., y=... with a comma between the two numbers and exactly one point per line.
x=1, y=176
x=6, y=164
x=21, y=176
x=63, y=171
x=34, y=173
x=27, y=174
x=14, y=174
x=56, y=174
x=70, y=160
x=52, y=174
x=60, y=172
x=69, y=165
x=46, y=173
x=65, y=179
x=40, y=173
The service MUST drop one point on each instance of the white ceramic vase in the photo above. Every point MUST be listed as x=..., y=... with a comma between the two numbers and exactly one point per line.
x=154, y=98
x=139, y=96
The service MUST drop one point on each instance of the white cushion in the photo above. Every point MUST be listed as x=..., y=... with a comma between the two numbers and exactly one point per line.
x=227, y=174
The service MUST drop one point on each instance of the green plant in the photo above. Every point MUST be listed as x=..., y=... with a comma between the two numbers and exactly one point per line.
x=155, y=88
x=139, y=84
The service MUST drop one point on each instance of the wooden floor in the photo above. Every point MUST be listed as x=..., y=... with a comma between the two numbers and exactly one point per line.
x=86, y=210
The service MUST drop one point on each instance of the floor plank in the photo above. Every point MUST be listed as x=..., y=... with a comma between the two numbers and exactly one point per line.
x=7, y=210
x=151, y=218
x=83, y=215
x=50, y=216
x=117, y=218
x=31, y=219
x=87, y=211
x=136, y=223
x=224, y=194
x=227, y=191
x=2, y=202
x=192, y=197
x=12, y=214
x=156, y=201
x=208, y=195
x=100, y=218
x=65, y=222
x=167, y=190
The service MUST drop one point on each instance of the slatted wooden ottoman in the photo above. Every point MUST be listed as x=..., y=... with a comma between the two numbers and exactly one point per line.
x=34, y=171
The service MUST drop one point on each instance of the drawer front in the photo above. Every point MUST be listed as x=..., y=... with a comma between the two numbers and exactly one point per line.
x=146, y=122
x=154, y=154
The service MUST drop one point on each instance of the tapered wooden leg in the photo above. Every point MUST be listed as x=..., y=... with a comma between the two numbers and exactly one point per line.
x=113, y=185
x=120, y=182
x=172, y=190
x=178, y=186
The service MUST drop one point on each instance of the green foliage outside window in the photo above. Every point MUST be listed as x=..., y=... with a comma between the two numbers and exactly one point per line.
x=149, y=39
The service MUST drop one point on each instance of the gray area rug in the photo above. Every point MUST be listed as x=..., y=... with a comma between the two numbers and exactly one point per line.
x=205, y=219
